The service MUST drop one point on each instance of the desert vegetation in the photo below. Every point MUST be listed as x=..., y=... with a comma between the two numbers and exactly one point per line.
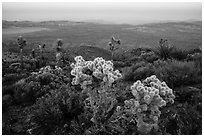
x=139, y=91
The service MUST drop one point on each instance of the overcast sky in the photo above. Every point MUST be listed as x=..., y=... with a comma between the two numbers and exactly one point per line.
x=111, y=12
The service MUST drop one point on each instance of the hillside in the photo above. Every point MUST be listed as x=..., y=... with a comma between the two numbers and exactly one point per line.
x=145, y=91
x=184, y=35
x=7, y=24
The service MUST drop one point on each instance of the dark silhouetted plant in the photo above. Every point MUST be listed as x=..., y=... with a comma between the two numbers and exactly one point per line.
x=21, y=43
x=114, y=45
x=164, y=50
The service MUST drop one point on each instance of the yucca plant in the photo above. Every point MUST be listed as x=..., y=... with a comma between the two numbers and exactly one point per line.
x=59, y=51
x=21, y=43
x=33, y=58
x=41, y=48
x=164, y=50
x=114, y=45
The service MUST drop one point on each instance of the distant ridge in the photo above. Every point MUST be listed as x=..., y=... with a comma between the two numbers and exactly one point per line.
x=6, y=24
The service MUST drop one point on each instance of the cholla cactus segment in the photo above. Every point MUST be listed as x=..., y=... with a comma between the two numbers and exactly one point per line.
x=21, y=42
x=48, y=69
x=150, y=95
x=89, y=70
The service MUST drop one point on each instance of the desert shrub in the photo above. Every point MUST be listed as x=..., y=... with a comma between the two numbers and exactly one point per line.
x=120, y=56
x=164, y=50
x=138, y=71
x=8, y=82
x=177, y=73
x=196, y=50
x=149, y=56
x=138, y=51
x=140, y=54
x=181, y=119
x=179, y=54
x=11, y=78
x=120, y=64
x=8, y=90
x=39, y=83
x=25, y=92
x=190, y=95
x=197, y=58
x=53, y=113
x=7, y=100
x=134, y=59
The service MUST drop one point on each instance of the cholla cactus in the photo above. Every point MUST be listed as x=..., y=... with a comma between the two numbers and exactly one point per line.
x=95, y=78
x=90, y=72
x=48, y=69
x=114, y=45
x=59, y=51
x=101, y=103
x=21, y=43
x=150, y=95
x=53, y=77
